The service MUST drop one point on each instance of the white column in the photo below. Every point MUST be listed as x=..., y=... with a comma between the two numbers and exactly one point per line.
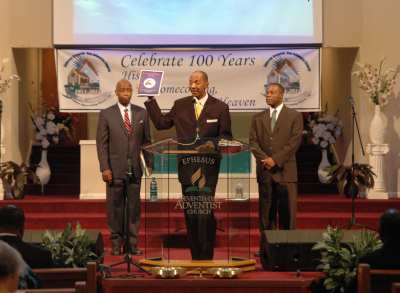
x=377, y=153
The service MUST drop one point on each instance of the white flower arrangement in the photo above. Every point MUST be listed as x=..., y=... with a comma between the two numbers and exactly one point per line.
x=325, y=130
x=376, y=82
x=5, y=82
x=49, y=125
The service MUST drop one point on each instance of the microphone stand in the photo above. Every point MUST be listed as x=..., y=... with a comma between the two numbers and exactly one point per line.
x=354, y=126
x=127, y=247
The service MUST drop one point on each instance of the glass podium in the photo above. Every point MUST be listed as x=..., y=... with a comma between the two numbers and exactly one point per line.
x=197, y=204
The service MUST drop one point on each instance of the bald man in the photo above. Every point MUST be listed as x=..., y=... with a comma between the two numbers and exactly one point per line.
x=122, y=130
x=197, y=119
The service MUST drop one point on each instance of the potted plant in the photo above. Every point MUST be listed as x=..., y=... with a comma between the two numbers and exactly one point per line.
x=70, y=248
x=14, y=178
x=50, y=125
x=352, y=178
x=339, y=260
x=378, y=84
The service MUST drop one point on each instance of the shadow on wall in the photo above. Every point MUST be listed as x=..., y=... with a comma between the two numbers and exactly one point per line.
x=392, y=112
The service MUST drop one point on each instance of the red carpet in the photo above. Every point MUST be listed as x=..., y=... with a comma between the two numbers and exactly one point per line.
x=314, y=212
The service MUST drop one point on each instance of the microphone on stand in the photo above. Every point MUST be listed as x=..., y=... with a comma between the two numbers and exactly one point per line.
x=351, y=101
x=355, y=126
x=195, y=101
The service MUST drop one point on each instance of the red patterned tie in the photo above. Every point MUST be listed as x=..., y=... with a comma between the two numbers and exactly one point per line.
x=127, y=122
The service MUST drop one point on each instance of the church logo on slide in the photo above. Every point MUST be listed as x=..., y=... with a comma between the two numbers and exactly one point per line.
x=149, y=83
x=83, y=79
x=293, y=72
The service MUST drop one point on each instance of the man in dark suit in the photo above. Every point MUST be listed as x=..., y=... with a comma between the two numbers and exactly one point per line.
x=197, y=119
x=388, y=256
x=122, y=130
x=275, y=136
x=12, y=223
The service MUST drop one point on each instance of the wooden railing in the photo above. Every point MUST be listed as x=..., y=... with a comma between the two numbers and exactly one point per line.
x=60, y=280
x=373, y=280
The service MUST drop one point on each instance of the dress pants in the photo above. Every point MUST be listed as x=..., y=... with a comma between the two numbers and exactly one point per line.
x=274, y=206
x=115, y=211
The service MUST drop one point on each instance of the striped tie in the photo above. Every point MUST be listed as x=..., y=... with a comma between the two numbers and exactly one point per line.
x=127, y=122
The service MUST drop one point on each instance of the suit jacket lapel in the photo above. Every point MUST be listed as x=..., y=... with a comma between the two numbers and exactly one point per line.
x=135, y=119
x=192, y=113
x=207, y=106
x=266, y=121
x=281, y=118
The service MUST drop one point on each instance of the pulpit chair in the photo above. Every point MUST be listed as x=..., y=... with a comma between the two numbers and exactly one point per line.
x=71, y=278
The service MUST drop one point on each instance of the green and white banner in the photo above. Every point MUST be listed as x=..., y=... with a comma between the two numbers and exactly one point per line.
x=87, y=78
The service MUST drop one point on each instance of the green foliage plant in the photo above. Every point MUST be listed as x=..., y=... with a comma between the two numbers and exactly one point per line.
x=339, y=260
x=70, y=248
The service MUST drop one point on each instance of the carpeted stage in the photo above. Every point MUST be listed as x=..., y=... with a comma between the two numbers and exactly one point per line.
x=314, y=212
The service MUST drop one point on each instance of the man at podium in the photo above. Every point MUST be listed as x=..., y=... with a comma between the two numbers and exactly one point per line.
x=200, y=121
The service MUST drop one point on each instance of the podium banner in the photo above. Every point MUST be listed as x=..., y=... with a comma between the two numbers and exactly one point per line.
x=87, y=78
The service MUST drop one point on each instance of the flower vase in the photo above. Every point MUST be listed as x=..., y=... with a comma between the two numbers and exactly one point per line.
x=322, y=173
x=43, y=171
x=377, y=128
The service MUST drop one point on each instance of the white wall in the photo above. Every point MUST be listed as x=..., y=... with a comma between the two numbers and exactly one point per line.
x=31, y=23
x=342, y=23
x=23, y=24
x=10, y=100
x=380, y=38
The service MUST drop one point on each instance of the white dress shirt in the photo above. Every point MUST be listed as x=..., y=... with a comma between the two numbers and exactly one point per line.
x=201, y=101
x=278, y=110
x=122, y=110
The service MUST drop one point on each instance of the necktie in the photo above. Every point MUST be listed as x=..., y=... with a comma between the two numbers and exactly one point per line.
x=197, y=108
x=273, y=119
x=127, y=122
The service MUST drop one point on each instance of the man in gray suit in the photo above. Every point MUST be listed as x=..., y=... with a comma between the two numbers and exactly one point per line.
x=275, y=136
x=121, y=132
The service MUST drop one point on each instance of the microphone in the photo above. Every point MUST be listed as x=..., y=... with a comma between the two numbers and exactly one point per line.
x=351, y=100
x=194, y=101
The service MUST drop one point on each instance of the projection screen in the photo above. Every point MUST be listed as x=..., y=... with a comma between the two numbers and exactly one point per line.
x=186, y=22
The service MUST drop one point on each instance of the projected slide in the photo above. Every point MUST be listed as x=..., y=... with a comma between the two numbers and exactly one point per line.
x=180, y=22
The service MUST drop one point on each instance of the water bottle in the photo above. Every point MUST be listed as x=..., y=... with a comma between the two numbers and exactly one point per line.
x=239, y=191
x=153, y=189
